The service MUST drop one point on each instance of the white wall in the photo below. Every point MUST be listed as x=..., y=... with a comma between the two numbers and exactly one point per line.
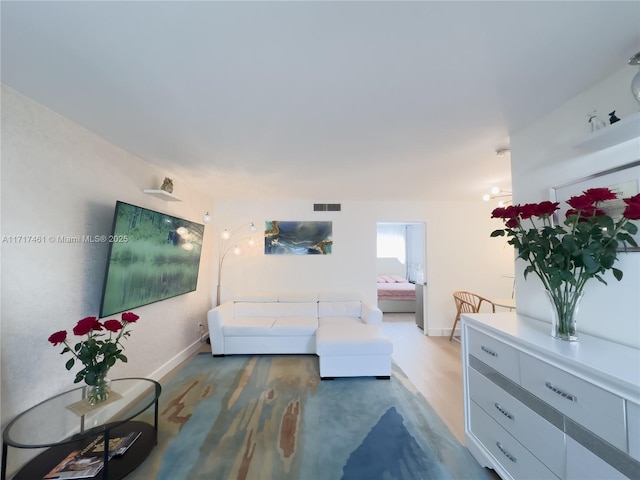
x=542, y=156
x=460, y=255
x=59, y=179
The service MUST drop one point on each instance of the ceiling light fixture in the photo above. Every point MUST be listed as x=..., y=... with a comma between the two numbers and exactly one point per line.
x=206, y=218
x=497, y=192
x=503, y=152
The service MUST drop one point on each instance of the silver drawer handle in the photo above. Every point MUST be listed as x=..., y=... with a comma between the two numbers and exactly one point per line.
x=489, y=351
x=503, y=411
x=506, y=454
x=566, y=395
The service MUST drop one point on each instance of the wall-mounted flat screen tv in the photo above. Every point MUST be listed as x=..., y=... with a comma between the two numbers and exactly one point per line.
x=152, y=257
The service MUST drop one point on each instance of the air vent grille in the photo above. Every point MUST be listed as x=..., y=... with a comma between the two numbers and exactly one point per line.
x=327, y=207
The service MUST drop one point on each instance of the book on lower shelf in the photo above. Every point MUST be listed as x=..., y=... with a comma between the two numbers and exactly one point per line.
x=117, y=445
x=78, y=464
x=87, y=462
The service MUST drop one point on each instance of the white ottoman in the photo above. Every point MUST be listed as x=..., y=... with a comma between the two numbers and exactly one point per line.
x=353, y=350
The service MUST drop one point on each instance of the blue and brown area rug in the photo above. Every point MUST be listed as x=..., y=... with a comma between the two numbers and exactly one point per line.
x=270, y=417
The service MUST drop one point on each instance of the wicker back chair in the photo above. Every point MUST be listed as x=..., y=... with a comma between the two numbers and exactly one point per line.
x=467, y=302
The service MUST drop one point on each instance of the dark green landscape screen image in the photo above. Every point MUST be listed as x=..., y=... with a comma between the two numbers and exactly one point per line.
x=152, y=257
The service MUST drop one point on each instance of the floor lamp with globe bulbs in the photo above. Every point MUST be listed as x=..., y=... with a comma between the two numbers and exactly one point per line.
x=227, y=245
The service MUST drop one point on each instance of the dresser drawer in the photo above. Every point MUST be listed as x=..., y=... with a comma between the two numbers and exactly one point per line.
x=494, y=353
x=539, y=436
x=597, y=410
x=517, y=460
x=633, y=429
x=584, y=465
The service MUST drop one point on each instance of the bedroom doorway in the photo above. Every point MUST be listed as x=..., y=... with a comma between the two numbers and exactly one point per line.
x=401, y=269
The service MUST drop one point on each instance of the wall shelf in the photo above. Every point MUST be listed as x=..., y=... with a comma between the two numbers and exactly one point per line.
x=611, y=135
x=161, y=194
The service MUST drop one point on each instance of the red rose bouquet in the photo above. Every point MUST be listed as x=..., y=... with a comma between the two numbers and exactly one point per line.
x=98, y=352
x=564, y=257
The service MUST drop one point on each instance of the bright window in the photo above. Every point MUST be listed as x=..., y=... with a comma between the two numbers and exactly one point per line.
x=392, y=242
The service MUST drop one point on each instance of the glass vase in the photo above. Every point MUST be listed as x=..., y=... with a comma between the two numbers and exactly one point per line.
x=99, y=392
x=564, y=313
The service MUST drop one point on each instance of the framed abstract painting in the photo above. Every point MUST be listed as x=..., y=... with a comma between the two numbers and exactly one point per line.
x=298, y=238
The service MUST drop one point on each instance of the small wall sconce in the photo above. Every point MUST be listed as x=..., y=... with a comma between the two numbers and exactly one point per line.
x=206, y=218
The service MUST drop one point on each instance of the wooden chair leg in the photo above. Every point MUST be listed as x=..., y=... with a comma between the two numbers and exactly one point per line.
x=453, y=329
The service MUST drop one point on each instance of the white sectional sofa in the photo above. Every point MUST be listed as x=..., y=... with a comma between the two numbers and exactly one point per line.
x=343, y=330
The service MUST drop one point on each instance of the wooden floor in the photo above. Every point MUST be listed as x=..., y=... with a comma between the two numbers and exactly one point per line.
x=433, y=364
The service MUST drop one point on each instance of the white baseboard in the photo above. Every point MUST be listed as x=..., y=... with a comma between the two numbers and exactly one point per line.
x=442, y=332
x=175, y=361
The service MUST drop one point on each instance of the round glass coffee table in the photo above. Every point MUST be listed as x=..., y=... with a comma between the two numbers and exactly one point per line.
x=66, y=423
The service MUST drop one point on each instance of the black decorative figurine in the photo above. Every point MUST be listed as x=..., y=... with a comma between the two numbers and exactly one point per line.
x=612, y=118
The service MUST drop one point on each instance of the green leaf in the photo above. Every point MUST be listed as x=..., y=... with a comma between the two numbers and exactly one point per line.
x=617, y=273
x=70, y=363
x=90, y=378
x=590, y=265
x=497, y=233
x=567, y=276
x=630, y=227
x=625, y=237
x=600, y=279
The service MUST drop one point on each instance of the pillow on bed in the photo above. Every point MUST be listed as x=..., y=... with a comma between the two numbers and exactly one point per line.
x=381, y=279
x=399, y=279
x=388, y=278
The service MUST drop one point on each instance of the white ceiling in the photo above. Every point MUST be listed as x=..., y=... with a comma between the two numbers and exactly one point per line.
x=328, y=101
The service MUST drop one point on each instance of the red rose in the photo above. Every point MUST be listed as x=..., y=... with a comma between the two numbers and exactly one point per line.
x=593, y=212
x=129, y=317
x=600, y=194
x=632, y=212
x=586, y=213
x=87, y=324
x=58, y=337
x=546, y=208
x=528, y=210
x=512, y=211
x=113, y=325
x=632, y=200
x=497, y=212
x=512, y=223
x=582, y=202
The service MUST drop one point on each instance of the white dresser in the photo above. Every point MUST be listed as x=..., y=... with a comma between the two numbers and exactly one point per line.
x=537, y=407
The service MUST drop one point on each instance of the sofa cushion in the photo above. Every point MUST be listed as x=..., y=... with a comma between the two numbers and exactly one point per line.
x=248, y=326
x=293, y=326
x=339, y=321
x=352, y=340
x=271, y=326
x=340, y=309
x=276, y=309
x=255, y=309
x=302, y=309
